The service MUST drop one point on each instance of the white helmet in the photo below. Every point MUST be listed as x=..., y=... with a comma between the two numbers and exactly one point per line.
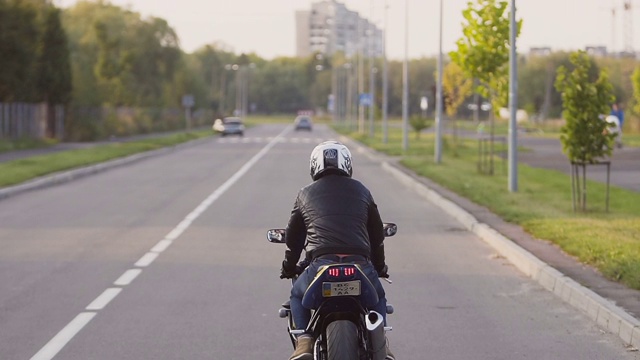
x=330, y=156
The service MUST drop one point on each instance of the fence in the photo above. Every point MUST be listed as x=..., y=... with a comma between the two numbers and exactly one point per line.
x=75, y=123
x=23, y=120
x=95, y=123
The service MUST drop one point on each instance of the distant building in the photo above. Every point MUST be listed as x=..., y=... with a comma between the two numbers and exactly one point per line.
x=599, y=51
x=540, y=51
x=330, y=27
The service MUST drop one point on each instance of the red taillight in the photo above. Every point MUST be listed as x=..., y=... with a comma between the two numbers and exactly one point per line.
x=336, y=272
x=349, y=271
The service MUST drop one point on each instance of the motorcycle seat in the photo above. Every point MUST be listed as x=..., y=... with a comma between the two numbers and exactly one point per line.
x=344, y=258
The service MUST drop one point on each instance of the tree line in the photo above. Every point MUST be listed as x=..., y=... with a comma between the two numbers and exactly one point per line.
x=96, y=54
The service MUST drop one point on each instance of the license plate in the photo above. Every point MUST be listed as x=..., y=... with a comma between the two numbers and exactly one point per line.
x=345, y=288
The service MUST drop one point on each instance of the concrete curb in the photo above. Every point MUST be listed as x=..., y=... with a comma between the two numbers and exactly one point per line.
x=66, y=176
x=602, y=311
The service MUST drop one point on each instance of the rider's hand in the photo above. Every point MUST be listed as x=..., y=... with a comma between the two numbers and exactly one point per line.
x=288, y=271
x=383, y=272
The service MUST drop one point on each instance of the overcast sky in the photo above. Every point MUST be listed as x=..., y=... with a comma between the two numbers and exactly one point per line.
x=267, y=27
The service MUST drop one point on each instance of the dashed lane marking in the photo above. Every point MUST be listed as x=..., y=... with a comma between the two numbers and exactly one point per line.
x=60, y=340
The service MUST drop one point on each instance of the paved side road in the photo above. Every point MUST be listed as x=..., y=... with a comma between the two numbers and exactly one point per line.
x=547, y=153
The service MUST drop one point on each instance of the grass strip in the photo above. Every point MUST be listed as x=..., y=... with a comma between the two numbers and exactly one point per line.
x=18, y=171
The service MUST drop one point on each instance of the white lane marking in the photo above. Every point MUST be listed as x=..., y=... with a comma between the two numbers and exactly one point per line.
x=104, y=299
x=294, y=140
x=68, y=332
x=147, y=259
x=128, y=276
x=63, y=337
x=162, y=245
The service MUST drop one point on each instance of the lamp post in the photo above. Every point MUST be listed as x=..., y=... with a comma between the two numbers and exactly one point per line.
x=245, y=88
x=438, y=142
x=360, y=77
x=372, y=73
x=385, y=80
x=405, y=81
x=372, y=106
x=349, y=105
x=237, y=111
x=513, y=103
x=223, y=89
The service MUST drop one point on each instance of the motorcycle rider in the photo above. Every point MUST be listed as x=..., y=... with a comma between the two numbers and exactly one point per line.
x=334, y=219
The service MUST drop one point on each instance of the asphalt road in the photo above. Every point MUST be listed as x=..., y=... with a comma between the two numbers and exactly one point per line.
x=547, y=153
x=167, y=259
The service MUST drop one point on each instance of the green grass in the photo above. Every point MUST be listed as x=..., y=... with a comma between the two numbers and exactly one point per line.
x=17, y=171
x=631, y=140
x=609, y=241
x=23, y=144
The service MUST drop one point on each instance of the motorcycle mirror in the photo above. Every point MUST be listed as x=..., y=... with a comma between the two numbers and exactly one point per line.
x=276, y=236
x=390, y=229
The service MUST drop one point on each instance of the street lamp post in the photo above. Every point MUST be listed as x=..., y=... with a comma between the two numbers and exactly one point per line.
x=372, y=106
x=360, y=77
x=405, y=81
x=245, y=93
x=236, y=68
x=372, y=74
x=385, y=80
x=438, y=143
x=513, y=103
x=223, y=89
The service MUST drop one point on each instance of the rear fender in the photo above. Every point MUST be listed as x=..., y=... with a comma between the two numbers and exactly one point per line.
x=313, y=298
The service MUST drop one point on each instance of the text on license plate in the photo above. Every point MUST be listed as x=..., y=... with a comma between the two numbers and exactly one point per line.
x=345, y=288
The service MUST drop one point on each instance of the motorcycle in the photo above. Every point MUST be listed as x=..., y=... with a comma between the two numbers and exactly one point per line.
x=341, y=323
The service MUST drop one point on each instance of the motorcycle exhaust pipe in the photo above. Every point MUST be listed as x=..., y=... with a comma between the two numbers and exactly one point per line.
x=375, y=326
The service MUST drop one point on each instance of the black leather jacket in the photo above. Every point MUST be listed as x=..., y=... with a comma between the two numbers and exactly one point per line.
x=335, y=215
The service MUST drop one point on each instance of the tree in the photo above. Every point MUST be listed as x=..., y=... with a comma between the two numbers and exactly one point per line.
x=635, y=79
x=118, y=58
x=19, y=33
x=456, y=88
x=483, y=53
x=418, y=123
x=53, y=67
x=586, y=94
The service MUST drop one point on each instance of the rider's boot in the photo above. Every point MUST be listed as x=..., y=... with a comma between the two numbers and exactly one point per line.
x=304, y=348
x=390, y=355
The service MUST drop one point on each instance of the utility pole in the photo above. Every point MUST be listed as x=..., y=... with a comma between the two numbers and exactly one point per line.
x=385, y=80
x=360, y=77
x=405, y=81
x=372, y=75
x=513, y=103
x=438, y=144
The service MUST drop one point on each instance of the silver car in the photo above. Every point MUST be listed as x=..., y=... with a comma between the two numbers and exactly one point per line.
x=229, y=126
x=303, y=122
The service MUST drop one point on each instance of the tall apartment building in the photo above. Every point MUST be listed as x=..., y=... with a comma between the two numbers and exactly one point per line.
x=330, y=27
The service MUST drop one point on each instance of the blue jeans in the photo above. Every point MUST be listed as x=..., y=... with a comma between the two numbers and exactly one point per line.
x=302, y=315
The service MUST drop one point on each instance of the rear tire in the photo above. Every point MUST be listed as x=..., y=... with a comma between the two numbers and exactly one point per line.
x=342, y=341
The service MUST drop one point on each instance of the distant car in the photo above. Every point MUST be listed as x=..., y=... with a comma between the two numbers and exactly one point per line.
x=229, y=126
x=303, y=122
